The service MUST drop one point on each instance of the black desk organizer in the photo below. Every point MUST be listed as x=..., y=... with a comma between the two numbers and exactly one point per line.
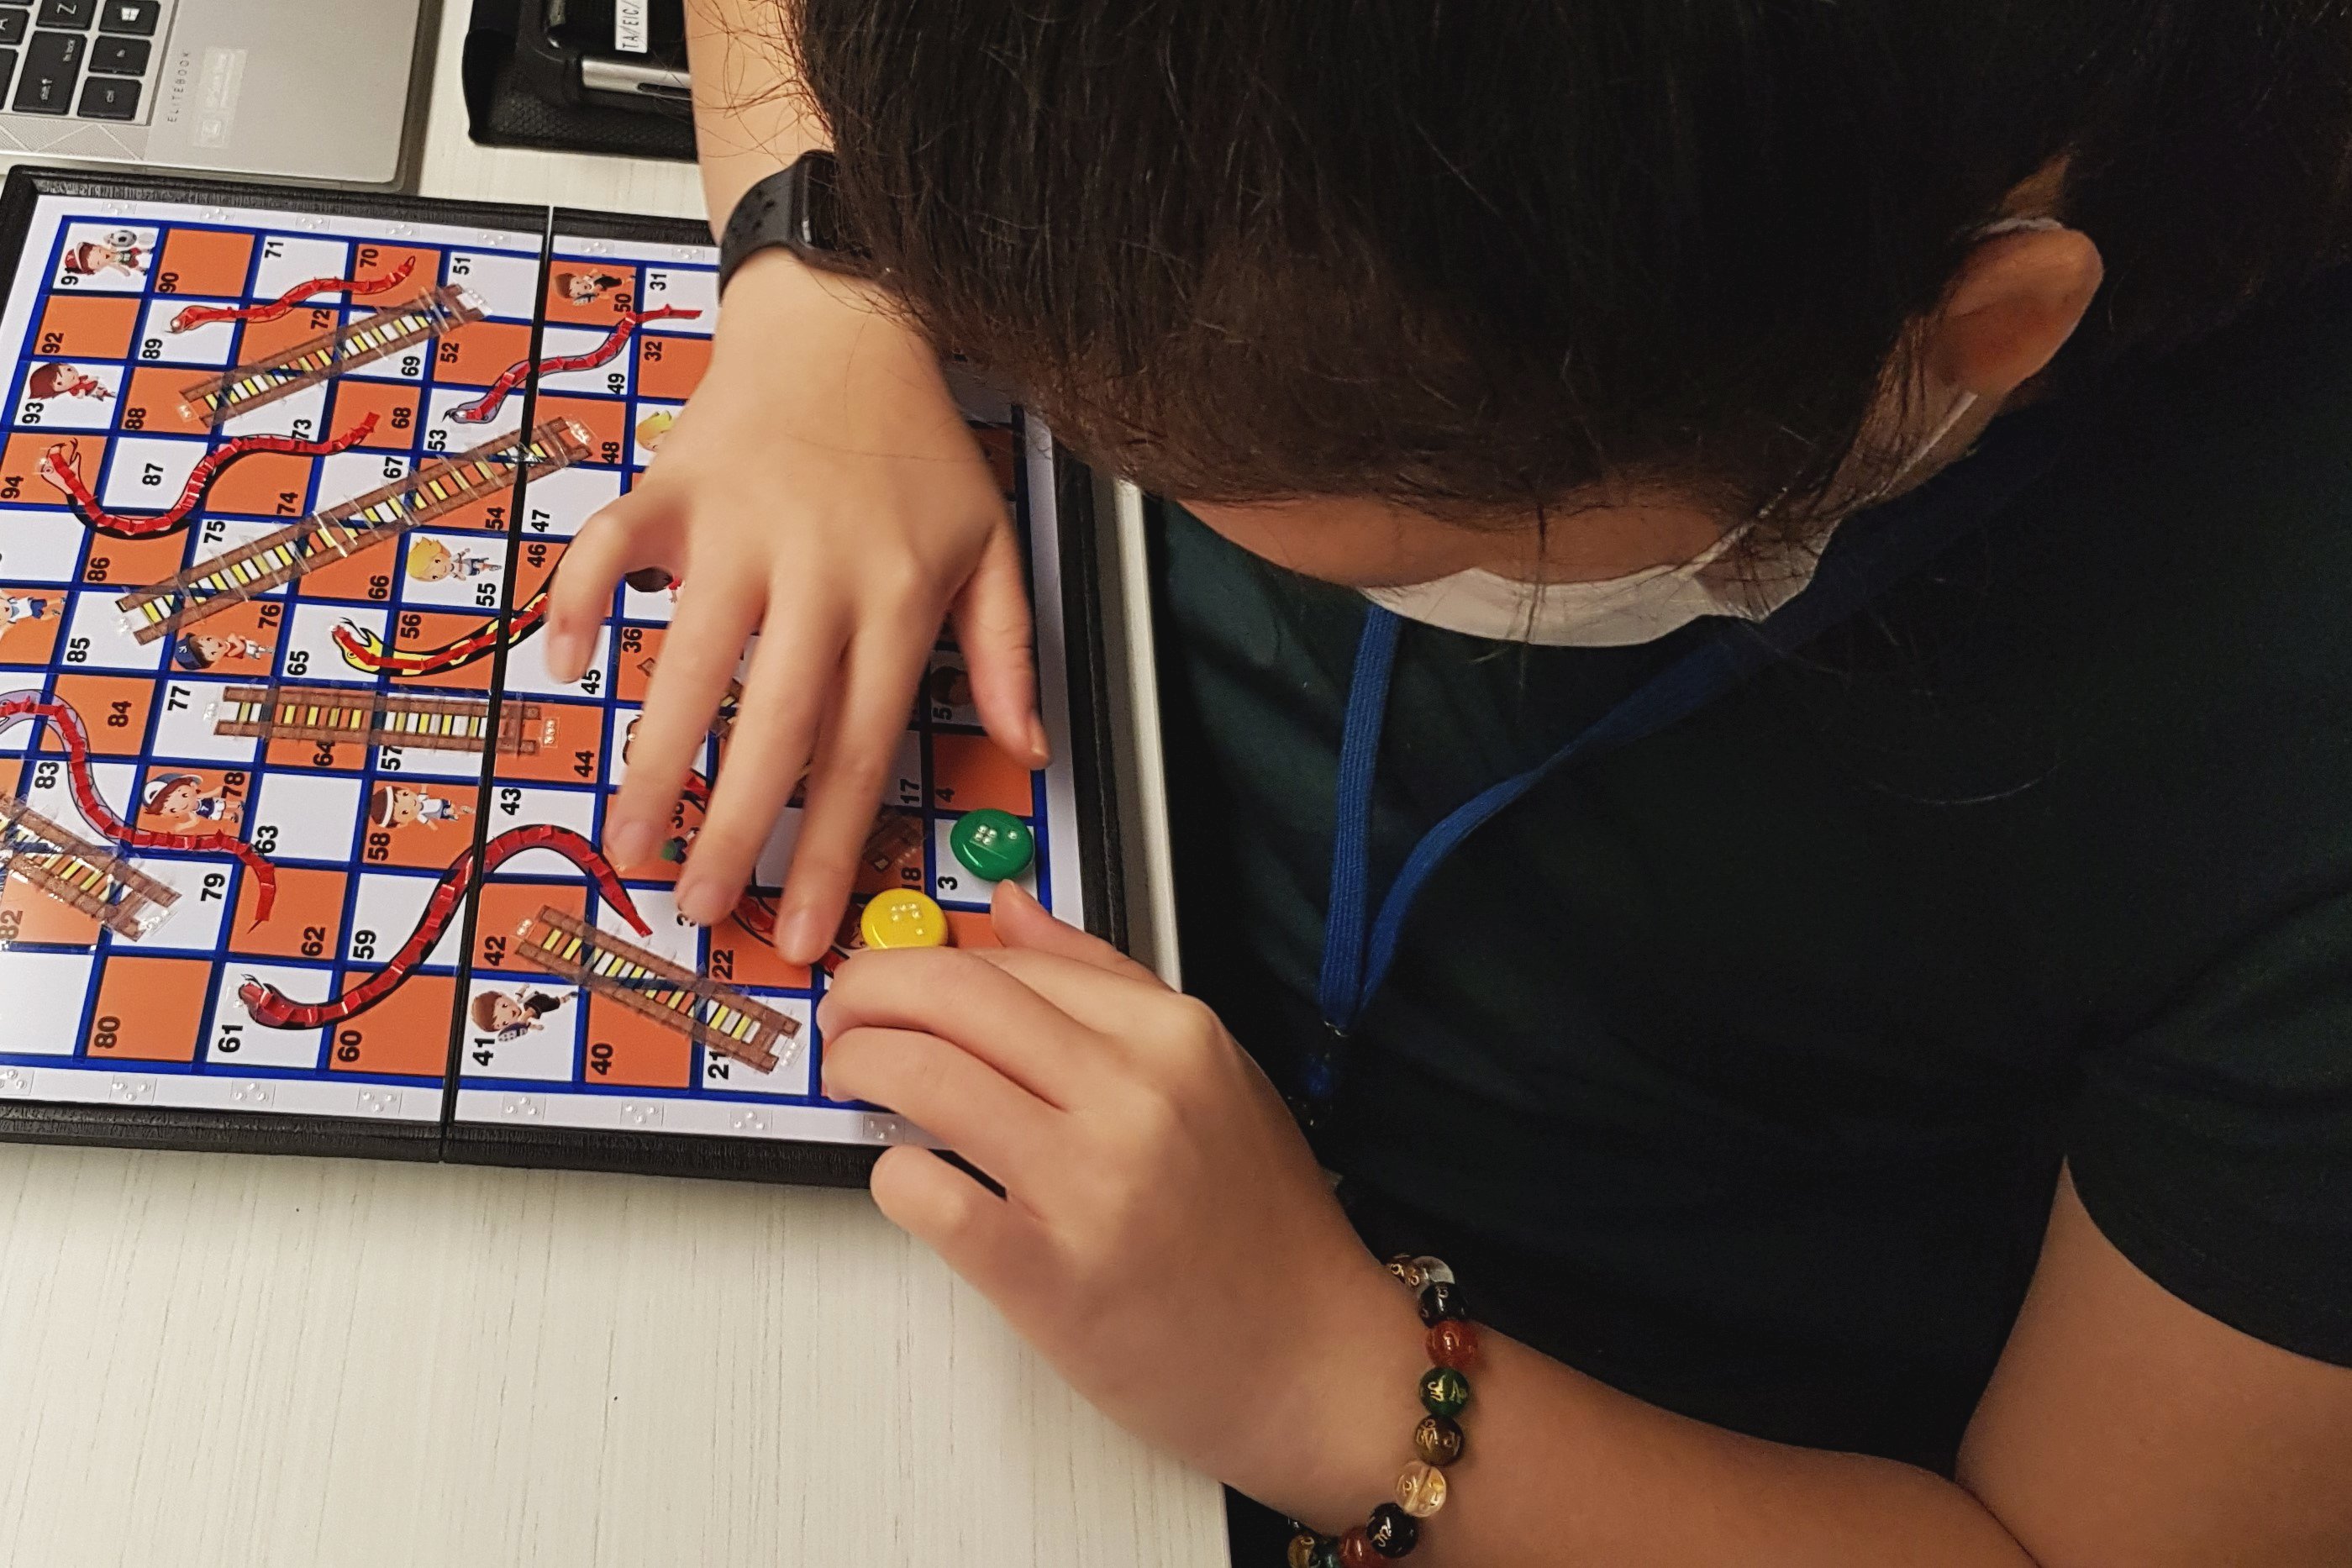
x=520, y=93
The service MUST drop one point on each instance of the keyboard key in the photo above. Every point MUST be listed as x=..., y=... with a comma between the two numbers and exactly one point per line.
x=50, y=67
x=118, y=57
x=108, y=97
x=12, y=26
x=68, y=13
x=7, y=70
x=135, y=16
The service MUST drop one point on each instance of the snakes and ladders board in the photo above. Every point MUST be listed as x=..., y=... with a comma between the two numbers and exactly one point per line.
x=299, y=837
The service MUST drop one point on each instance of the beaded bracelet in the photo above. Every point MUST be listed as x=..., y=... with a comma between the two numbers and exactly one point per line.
x=1394, y=1528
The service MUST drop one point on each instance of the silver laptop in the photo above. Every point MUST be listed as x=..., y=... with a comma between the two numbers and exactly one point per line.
x=311, y=89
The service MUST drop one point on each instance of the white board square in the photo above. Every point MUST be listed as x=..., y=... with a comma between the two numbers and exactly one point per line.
x=315, y=816
x=47, y=994
x=232, y=1038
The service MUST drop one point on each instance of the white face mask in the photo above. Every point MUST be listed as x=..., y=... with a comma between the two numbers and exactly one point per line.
x=1650, y=604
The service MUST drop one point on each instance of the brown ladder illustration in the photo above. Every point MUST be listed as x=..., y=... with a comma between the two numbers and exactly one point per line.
x=253, y=568
x=710, y=1014
x=78, y=873
x=330, y=715
x=217, y=399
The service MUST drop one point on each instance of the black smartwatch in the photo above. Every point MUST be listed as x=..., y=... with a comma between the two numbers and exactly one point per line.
x=798, y=209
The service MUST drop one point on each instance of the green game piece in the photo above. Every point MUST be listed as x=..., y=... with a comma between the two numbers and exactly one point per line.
x=992, y=845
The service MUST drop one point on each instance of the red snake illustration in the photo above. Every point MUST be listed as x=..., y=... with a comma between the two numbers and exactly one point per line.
x=61, y=465
x=198, y=315
x=486, y=407
x=273, y=1009
x=362, y=649
x=21, y=707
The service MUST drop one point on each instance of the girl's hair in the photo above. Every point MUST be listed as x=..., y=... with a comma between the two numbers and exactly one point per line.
x=46, y=380
x=1477, y=258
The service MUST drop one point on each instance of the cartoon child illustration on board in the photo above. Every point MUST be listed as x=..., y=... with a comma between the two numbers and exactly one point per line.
x=18, y=610
x=61, y=378
x=510, y=1017
x=119, y=251
x=587, y=287
x=198, y=651
x=431, y=561
x=182, y=799
x=399, y=805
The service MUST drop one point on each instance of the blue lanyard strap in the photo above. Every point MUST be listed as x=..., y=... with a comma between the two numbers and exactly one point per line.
x=1863, y=562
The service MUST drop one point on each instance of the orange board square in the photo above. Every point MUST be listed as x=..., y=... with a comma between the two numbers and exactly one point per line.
x=738, y=958
x=590, y=293
x=505, y=906
x=403, y=828
x=567, y=741
x=33, y=639
x=379, y=260
x=364, y=577
x=265, y=340
x=203, y=261
x=307, y=922
x=153, y=404
x=254, y=620
x=971, y=927
x=309, y=755
x=29, y=914
x=113, y=708
x=149, y=1009
x=479, y=353
x=639, y=648
x=174, y=790
x=90, y=326
x=671, y=367
x=132, y=562
x=20, y=463
x=406, y=1034
x=489, y=514
x=535, y=566
x=968, y=772
x=429, y=631
x=626, y=1047
x=263, y=484
x=606, y=420
x=394, y=404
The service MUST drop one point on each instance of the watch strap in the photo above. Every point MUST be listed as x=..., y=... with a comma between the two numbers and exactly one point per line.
x=793, y=209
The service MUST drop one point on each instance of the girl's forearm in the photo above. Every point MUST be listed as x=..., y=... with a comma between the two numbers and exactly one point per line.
x=750, y=116
x=1562, y=1469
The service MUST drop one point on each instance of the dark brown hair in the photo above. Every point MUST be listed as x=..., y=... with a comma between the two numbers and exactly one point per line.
x=1476, y=256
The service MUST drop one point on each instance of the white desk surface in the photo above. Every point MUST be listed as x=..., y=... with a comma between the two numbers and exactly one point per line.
x=228, y=1361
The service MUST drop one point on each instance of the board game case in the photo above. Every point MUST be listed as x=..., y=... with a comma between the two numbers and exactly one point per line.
x=298, y=836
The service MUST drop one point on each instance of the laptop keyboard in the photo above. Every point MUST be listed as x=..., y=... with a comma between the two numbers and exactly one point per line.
x=91, y=59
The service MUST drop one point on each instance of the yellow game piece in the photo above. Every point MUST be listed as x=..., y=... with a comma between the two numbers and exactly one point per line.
x=903, y=918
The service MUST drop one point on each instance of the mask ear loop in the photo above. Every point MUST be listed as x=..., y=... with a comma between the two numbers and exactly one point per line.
x=1968, y=400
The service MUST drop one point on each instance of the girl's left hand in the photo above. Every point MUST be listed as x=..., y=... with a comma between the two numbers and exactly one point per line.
x=1166, y=1238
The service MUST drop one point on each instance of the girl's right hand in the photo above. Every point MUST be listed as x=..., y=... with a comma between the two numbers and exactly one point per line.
x=822, y=489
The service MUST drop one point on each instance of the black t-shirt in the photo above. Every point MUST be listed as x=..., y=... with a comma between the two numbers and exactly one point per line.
x=1736, y=1067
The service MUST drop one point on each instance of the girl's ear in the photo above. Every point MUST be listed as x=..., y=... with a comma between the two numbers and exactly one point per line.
x=2017, y=299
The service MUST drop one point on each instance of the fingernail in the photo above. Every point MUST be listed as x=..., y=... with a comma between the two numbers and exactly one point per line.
x=567, y=660
x=628, y=844
x=1040, y=753
x=802, y=936
x=700, y=901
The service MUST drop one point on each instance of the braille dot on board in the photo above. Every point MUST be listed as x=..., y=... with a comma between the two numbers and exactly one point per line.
x=992, y=845
x=902, y=918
